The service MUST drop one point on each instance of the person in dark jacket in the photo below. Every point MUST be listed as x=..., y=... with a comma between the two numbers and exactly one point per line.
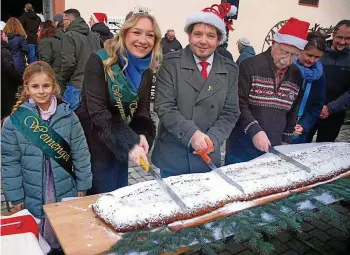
x=50, y=48
x=169, y=42
x=98, y=25
x=313, y=89
x=10, y=78
x=336, y=63
x=245, y=50
x=78, y=42
x=268, y=87
x=30, y=22
x=17, y=43
x=115, y=109
x=222, y=50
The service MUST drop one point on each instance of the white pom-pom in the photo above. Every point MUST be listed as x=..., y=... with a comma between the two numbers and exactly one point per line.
x=233, y=11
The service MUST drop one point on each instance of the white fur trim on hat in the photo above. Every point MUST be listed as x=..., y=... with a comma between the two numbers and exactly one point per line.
x=207, y=18
x=94, y=18
x=291, y=40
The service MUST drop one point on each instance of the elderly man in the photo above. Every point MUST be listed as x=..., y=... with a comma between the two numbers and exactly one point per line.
x=196, y=98
x=336, y=62
x=245, y=50
x=169, y=42
x=268, y=87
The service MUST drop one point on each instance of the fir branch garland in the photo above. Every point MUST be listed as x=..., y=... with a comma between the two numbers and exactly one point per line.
x=247, y=225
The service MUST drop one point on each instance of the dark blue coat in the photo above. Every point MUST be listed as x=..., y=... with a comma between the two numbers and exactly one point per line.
x=312, y=108
x=19, y=49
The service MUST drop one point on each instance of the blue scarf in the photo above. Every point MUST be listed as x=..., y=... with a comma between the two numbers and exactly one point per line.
x=135, y=69
x=309, y=74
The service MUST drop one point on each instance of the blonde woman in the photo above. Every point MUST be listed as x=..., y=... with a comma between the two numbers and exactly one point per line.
x=115, y=109
x=17, y=43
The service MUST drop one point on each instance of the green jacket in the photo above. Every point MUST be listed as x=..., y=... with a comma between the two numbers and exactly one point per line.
x=49, y=50
x=23, y=165
x=78, y=42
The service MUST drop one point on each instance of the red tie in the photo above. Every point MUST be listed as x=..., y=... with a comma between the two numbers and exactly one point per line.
x=204, y=69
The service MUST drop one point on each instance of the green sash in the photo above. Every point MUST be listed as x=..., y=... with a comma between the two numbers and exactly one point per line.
x=44, y=137
x=121, y=94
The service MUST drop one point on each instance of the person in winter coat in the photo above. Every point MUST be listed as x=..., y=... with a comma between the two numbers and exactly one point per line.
x=78, y=42
x=222, y=50
x=115, y=109
x=98, y=25
x=50, y=48
x=30, y=22
x=336, y=63
x=10, y=78
x=17, y=43
x=44, y=154
x=245, y=50
x=313, y=88
x=268, y=87
x=196, y=97
x=169, y=42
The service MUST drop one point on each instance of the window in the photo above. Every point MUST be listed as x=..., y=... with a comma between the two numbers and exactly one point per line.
x=312, y=3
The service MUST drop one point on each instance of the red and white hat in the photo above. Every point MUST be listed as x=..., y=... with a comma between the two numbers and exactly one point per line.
x=214, y=16
x=99, y=17
x=294, y=33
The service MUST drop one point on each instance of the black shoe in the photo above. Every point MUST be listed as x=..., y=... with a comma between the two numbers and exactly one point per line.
x=56, y=252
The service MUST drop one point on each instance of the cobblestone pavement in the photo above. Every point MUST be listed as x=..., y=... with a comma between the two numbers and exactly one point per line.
x=321, y=234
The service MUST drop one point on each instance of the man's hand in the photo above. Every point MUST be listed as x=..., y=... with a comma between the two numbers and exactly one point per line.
x=325, y=112
x=81, y=194
x=298, y=130
x=136, y=153
x=19, y=207
x=198, y=141
x=261, y=141
x=143, y=143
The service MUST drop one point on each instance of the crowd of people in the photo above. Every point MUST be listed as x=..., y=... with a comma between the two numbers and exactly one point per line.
x=82, y=114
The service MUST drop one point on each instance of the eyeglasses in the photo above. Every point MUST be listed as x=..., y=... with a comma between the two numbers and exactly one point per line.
x=341, y=38
x=288, y=54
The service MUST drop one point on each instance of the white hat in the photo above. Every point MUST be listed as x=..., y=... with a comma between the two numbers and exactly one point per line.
x=2, y=25
x=244, y=41
x=214, y=17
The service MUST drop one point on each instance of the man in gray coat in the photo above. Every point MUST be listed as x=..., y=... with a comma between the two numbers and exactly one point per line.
x=196, y=98
x=78, y=42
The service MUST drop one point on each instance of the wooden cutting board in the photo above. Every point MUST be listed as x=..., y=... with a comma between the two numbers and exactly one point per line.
x=79, y=230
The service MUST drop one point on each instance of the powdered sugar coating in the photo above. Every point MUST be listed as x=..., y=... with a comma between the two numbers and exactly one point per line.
x=146, y=205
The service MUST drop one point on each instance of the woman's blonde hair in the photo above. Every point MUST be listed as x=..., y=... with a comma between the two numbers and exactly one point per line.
x=14, y=26
x=117, y=44
x=35, y=68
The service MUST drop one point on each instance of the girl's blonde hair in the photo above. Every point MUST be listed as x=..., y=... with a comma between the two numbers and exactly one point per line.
x=35, y=68
x=14, y=26
x=117, y=44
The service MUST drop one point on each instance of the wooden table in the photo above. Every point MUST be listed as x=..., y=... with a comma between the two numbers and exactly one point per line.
x=79, y=230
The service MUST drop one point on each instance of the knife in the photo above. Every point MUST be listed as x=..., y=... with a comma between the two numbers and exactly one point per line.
x=207, y=159
x=163, y=185
x=289, y=159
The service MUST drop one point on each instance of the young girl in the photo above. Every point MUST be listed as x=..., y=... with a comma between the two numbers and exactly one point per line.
x=44, y=152
x=313, y=88
x=115, y=110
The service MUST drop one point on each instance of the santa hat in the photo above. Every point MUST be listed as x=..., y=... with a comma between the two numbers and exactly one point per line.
x=294, y=33
x=215, y=16
x=99, y=17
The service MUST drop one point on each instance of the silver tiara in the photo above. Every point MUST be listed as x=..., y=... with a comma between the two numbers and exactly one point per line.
x=141, y=9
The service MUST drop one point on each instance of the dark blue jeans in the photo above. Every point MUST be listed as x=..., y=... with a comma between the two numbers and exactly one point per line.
x=164, y=173
x=32, y=53
x=72, y=96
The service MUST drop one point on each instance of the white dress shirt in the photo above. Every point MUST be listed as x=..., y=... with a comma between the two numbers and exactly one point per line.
x=209, y=60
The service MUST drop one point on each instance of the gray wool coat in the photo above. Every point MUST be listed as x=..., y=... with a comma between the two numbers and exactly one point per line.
x=185, y=103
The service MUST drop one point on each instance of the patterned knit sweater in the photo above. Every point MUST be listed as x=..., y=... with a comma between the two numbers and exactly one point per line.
x=265, y=105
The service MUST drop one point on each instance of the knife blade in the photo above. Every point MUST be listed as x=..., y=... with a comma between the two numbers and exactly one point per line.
x=207, y=159
x=289, y=159
x=225, y=177
x=163, y=185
